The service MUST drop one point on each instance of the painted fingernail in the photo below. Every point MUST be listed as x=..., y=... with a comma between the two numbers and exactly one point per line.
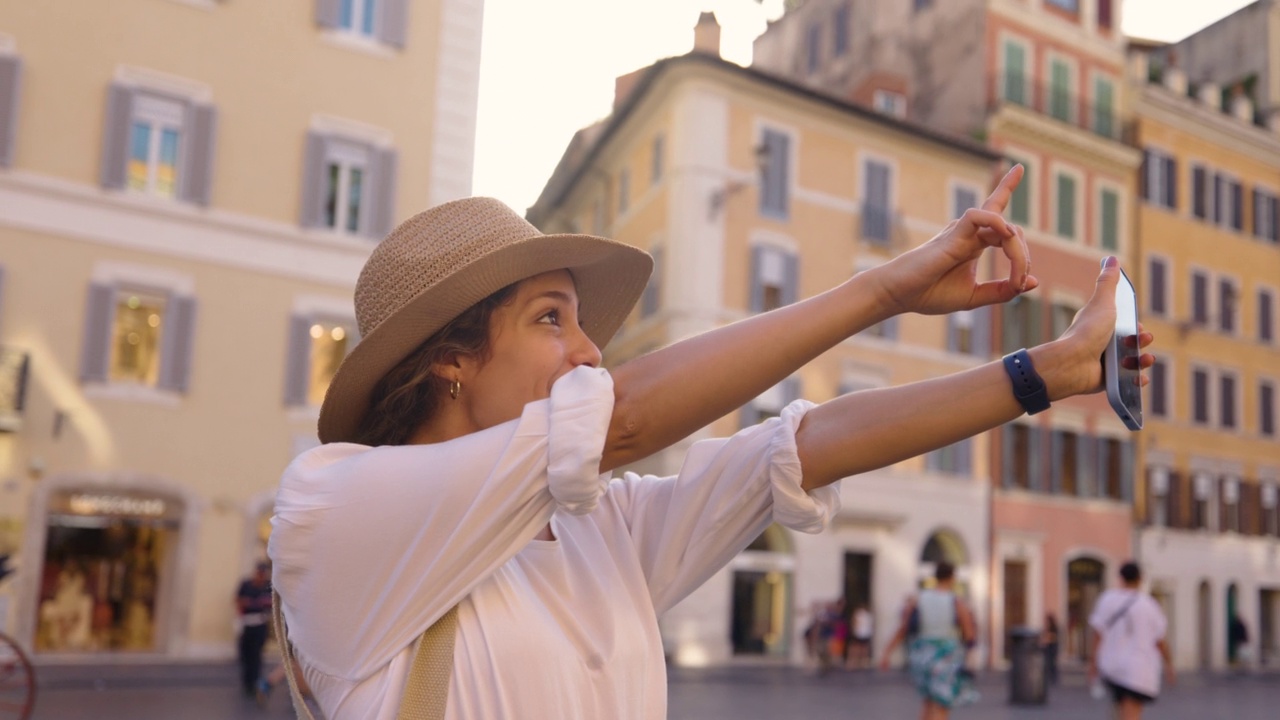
x=1111, y=261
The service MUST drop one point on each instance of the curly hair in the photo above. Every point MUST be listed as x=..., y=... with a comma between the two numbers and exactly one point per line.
x=410, y=392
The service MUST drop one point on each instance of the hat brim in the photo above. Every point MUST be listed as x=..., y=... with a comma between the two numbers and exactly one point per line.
x=610, y=277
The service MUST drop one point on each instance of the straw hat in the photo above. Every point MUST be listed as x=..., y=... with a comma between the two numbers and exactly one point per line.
x=440, y=262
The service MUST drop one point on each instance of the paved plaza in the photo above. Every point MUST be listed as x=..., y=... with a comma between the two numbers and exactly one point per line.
x=209, y=693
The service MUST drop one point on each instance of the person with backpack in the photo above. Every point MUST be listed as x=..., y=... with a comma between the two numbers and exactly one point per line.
x=1129, y=645
x=939, y=630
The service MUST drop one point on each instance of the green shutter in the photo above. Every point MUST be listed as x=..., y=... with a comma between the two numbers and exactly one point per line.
x=1015, y=73
x=1020, y=202
x=1103, y=122
x=1060, y=91
x=1110, y=220
x=1066, y=206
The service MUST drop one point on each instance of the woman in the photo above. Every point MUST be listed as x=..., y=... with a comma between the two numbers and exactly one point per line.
x=470, y=436
x=942, y=630
x=1049, y=645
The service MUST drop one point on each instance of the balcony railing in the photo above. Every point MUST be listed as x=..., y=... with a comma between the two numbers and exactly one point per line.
x=1056, y=103
x=13, y=387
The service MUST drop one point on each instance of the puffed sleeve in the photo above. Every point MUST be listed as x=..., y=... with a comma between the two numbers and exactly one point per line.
x=728, y=490
x=372, y=545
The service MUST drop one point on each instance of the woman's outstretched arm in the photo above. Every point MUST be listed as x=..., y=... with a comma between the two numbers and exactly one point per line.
x=664, y=396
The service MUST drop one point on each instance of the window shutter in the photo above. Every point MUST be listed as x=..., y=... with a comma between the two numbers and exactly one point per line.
x=297, y=362
x=889, y=328
x=1035, y=326
x=1020, y=202
x=10, y=90
x=1126, y=470
x=1144, y=185
x=1010, y=337
x=1237, y=206
x=790, y=390
x=1066, y=206
x=953, y=334
x=964, y=457
x=964, y=199
x=1056, y=445
x=393, y=24
x=1110, y=220
x=650, y=300
x=1265, y=330
x=1258, y=203
x=791, y=280
x=95, y=353
x=1008, y=472
x=1199, y=194
x=328, y=13
x=313, y=179
x=1086, y=451
x=755, y=302
x=1171, y=183
x=1102, y=467
x=176, y=341
x=115, y=137
x=1219, y=212
x=981, y=331
x=1156, y=303
x=197, y=174
x=383, y=172
x=774, y=191
x=1275, y=219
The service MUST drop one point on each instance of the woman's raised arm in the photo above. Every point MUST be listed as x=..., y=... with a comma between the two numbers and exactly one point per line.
x=664, y=396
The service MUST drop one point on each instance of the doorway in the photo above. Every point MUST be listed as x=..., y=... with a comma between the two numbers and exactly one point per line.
x=760, y=620
x=1268, y=637
x=1084, y=585
x=1015, y=599
x=1205, y=608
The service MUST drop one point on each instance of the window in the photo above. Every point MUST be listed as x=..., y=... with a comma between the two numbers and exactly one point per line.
x=1228, y=207
x=10, y=83
x=137, y=334
x=1157, y=286
x=1104, y=122
x=814, y=48
x=384, y=21
x=775, y=185
x=889, y=103
x=1266, y=408
x=919, y=5
x=159, y=145
x=597, y=216
x=1020, y=201
x=1022, y=323
x=1066, y=219
x=955, y=459
x=876, y=210
x=655, y=163
x=1266, y=316
x=1021, y=456
x=1227, y=294
x=774, y=278
x=1104, y=14
x=1159, y=389
x=1109, y=233
x=1157, y=497
x=1062, y=314
x=963, y=198
x=1071, y=6
x=1266, y=222
x=624, y=191
x=1229, y=517
x=771, y=402
x=1159, y=179
x=1060, y=90
x=1066, y=451
x=1202, y=196
x=1015, y=73
x=651, y=300
x=968, y=332
x=1270, y=509
x=1200, y=396
x=886, y=329
x=348, y=186
x=842, y=24
x=1199, y=298
x=317, y=345
x=1227, y=400
x=1201, y=502
x=1115, y=468
x=1235, y=194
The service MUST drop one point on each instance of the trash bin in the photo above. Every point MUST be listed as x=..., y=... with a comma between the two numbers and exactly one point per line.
x=1026, y=671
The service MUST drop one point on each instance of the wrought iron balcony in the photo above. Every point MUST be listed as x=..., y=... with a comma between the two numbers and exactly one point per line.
x=14, y=364
x=1057, y=103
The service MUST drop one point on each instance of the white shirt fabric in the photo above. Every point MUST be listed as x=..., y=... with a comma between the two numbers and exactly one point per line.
x=370, y=546
x=1129, y=656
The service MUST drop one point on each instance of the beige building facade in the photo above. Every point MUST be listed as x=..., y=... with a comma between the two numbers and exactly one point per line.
x=188, y=189
x=752, y=193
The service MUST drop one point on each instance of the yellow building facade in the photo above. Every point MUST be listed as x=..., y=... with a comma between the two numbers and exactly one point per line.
x=188, y=189
x=752, y=192
x=1209, y=283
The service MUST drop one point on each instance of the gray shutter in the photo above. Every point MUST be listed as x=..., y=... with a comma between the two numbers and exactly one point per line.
x=889, y=328
x=746, y=416
x=953, y=339
x=197, y=175
x=95, y=353
x=328, y=13
x=791, y=278
x=755, y=301
x=313, y=180
x=1035, y=334
x=1126, y=471
x=393, y=24
x=297, y=372
x=383, y=200
x=1086, y=479
x=176, y=341
x=964, y=457
x=1056, y=445
x=650, y=301
x=982, y=331
x=115, y=137
x=1035, y=451
x=1102, y=467
x=10, y=92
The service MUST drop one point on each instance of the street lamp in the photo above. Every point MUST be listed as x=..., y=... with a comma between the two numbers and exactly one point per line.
x=718, y=197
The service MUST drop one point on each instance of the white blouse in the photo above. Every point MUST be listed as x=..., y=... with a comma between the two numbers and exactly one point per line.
x=372, y=545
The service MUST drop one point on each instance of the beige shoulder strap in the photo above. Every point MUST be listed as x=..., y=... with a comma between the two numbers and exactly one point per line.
x=426, y=690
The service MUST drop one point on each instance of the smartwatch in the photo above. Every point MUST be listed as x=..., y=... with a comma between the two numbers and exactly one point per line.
x=1028, y=387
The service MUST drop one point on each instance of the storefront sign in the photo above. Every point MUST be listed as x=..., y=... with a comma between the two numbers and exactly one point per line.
x=115, y=505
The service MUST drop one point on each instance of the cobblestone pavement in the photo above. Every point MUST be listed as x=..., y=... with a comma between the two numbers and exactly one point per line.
x=718, y=694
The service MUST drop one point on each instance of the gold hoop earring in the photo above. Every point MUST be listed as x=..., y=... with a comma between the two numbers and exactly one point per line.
x=455, y=387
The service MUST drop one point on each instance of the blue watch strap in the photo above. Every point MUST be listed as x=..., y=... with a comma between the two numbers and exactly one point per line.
x=1028, y=387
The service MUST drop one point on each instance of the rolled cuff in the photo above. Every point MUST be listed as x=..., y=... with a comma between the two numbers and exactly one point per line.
x=580, y=409
x=793, y=508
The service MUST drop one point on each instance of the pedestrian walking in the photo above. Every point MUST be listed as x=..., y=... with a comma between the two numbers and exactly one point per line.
x=1129, y=645
x=463, y=491
x=1238, y=642
x=863, y=628
x=253, y=606
x=1049, y=644
x=939, y=630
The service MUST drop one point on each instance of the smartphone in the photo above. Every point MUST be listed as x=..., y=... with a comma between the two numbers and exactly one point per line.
x=1120, y=360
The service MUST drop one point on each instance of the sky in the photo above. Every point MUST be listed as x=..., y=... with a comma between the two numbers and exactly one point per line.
x=547, y=68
